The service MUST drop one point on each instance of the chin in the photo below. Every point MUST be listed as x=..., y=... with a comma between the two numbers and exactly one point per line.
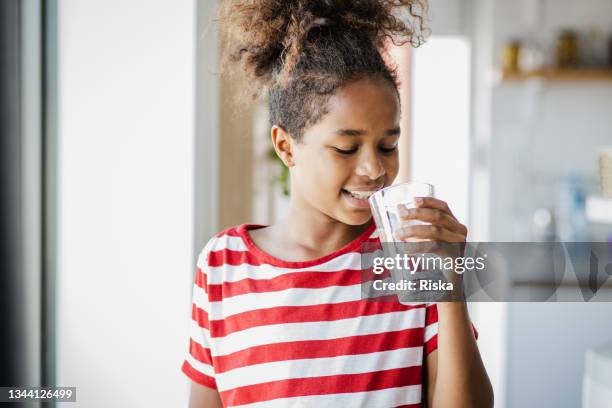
x=356, y=218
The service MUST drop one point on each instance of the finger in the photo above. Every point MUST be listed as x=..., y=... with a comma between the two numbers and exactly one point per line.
x=427, y=232
x=433, y=216
x=431, y=202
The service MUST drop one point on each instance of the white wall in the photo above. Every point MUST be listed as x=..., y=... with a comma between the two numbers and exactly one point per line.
x=126, y=91
x=538, y=133
x=440, y=113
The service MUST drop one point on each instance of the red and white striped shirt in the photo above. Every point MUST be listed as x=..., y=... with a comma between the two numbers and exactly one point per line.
x=271, y=333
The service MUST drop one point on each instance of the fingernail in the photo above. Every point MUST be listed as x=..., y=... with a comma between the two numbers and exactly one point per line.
x=418, y=200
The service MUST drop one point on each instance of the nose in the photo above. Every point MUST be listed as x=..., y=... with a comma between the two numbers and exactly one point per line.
x=370, y=165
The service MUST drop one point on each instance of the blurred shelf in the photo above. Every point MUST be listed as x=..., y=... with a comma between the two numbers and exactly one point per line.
x=556, y=74
x=599, y=209
x=548, y=284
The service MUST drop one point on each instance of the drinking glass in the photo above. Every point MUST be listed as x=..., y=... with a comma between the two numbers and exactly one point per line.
x=385, y=205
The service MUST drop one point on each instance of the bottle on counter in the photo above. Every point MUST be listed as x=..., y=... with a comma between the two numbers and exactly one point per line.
x=510, y=57
x=567, y=49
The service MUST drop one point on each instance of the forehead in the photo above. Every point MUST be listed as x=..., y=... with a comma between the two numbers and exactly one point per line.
x=364, y=104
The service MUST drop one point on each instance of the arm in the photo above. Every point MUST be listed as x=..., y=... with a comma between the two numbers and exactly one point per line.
x=203, y=397
x=198, y=363
x=456, y=376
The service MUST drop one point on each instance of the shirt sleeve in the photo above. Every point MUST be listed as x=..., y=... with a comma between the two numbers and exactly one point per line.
x=198, y=363
x=431, y=328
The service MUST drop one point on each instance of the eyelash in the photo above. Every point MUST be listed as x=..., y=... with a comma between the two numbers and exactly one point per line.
x=351, y=151
x=388, y=150
x=346, y=152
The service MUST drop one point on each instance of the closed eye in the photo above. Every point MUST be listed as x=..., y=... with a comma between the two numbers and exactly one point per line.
x=388, y=149
x=347, y=152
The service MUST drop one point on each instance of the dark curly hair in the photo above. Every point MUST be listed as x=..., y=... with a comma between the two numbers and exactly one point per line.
x=301, y=51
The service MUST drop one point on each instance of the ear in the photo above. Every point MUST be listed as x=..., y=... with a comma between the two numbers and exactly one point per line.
x=283, y=144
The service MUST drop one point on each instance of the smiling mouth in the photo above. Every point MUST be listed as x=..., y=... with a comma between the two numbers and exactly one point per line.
x=361, y=194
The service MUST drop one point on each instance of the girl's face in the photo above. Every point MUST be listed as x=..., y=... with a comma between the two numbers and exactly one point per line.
x=350, y=153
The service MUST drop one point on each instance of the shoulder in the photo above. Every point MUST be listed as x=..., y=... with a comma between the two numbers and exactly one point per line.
x=229, y=239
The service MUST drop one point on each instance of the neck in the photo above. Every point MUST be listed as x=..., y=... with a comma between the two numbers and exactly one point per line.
x=311, y=229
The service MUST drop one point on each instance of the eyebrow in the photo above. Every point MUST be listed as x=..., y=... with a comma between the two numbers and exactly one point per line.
x=360, y=132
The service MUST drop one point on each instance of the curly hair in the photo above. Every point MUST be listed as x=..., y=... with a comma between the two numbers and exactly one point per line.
x=301, y=51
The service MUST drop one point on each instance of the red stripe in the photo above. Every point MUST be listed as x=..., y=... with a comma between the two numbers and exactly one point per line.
x=431, y=344
x=291, y=280
x=302, y=314
x=231, y=231
x=198, y=377
x=344, y=346
x=410, y=406
x=343, y=383
x=200, y=316
x=200, y=279
x=231, y=257
x=431, y=314
x=431, y=317
x=310, y=280
x=200, y=353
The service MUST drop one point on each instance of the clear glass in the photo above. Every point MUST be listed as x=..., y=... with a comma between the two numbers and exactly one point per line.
x=385, y=206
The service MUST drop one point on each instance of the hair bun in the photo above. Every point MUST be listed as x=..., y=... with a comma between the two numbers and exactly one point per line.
x=265, y=37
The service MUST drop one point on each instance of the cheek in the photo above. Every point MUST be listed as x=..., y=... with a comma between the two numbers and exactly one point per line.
x=391, y=164
x=335, y=171
x=322, y=171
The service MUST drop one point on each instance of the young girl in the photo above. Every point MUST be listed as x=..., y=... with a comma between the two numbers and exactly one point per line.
x=278, y=319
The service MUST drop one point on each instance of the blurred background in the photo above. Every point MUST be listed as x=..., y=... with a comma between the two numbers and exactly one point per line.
x=123, y=152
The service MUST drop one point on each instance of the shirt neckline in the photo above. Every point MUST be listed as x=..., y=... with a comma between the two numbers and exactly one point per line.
x=243, y=229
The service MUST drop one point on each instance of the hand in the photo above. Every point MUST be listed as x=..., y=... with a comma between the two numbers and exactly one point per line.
x=444, y=226
x=444, y=236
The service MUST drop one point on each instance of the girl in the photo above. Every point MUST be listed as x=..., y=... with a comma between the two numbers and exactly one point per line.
x=277, y=317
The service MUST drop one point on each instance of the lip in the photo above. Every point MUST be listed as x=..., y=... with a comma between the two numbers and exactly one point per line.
x=357, y=203
x=365, y=189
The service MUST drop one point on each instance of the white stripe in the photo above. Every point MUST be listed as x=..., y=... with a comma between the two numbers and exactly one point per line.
x=229, y=242
x=203, y=255
x=199, y=334
x=200, y=298
x=318, y=367
x=199, y=366
x=388, y=397
x=431, y=331
x=278, y=333
x=233, y=273
x=289, y=297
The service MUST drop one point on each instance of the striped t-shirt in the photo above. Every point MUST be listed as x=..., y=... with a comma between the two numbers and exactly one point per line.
x=271, y=333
